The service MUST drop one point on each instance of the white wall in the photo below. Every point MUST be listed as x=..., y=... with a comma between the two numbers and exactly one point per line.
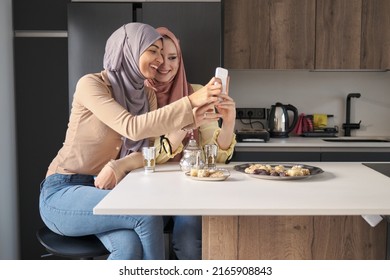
x=319, y=92
x=8, y=184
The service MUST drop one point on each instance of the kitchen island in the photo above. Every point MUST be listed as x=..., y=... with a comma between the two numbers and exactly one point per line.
x=250, y=218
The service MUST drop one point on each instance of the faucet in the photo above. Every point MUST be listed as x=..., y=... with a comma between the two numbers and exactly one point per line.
x=347, y=126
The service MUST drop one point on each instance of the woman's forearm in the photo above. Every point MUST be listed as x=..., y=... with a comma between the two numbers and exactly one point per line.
x=225, y=136
x=176, y=138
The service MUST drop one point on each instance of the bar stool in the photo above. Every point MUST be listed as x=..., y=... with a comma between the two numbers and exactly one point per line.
x=82, y=248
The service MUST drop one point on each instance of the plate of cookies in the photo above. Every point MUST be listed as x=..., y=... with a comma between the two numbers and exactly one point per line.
x=205, y=174
x=278, y=171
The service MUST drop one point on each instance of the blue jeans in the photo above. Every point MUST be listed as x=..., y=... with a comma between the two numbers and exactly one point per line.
x=186, y=236
x=66, y=203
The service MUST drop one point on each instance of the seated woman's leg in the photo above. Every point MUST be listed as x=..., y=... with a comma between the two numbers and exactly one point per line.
x=66, y=205
x=123, y=244
x=187, y=237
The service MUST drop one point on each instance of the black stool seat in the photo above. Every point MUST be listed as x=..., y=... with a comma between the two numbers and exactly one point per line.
x=83, y=247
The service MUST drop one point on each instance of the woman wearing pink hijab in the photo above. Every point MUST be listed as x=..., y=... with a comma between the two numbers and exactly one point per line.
x=113, y=116
x=170, y=85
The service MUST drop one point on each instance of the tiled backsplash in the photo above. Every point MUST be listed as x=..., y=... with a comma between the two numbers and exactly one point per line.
x=321, y=93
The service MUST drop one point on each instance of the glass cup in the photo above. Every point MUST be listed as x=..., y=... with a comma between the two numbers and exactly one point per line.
x=210, y=153
x=149, y=154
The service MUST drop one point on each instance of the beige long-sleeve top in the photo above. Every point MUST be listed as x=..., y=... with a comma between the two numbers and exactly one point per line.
x=97, y=124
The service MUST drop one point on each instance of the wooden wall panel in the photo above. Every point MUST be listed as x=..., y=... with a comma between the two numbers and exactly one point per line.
x=274, y=238
x=246, y=34
x=292, y=238
x=292, y=34
x=338, y=34
x=220, y=237
x=348, y=237
x=269, y=34
x=375, y=34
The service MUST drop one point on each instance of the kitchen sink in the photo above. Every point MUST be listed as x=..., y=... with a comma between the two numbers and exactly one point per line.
x=357, y=140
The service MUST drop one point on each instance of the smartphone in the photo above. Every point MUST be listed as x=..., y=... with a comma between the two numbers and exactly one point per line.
x=222, y=73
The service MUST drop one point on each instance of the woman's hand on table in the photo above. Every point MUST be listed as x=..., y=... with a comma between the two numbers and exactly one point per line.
x=105, y=180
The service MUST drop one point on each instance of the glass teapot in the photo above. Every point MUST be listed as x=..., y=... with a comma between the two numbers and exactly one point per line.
x=192, y=156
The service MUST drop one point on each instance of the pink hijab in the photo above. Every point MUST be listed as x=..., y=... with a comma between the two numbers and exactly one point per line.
x=121, y=62
x=176, y=88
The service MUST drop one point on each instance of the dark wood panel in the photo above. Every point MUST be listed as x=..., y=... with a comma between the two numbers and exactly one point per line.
x=263, y=34
x=246, y=34
x=375, y=34
x=338, y=34
x=292, y=34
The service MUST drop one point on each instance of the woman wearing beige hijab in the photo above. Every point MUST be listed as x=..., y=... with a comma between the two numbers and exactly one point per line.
x=112, y=117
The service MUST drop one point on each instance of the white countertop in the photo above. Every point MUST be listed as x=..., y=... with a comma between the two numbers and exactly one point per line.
x=345, y=188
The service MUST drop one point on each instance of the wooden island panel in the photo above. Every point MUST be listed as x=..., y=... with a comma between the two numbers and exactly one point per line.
x=292, y=238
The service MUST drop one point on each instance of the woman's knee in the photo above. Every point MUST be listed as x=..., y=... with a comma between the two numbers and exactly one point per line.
x=187, y=237
x=123, y=244
x=150, y=224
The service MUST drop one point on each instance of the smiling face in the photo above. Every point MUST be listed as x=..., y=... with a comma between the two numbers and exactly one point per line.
x=167, y=71
x=151, y=59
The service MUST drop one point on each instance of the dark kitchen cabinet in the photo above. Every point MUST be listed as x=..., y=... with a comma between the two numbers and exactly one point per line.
x=276, y=156
x=90, y=25
x=198, y=26
x=41, y=105
x=39, y=14
x=41, y=98
x=265, y=34
x=312, y=156
x=355, y=156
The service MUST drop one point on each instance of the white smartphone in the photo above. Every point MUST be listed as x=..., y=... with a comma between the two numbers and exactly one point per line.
x=222, y=73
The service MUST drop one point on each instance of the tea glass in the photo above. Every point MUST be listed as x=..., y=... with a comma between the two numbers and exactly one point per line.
x=149, y=154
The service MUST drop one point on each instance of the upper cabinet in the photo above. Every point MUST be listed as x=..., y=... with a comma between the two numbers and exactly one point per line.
x=375, y=43
x=307, y=34
x=352, y=34
x=338, y=33
x=269, y=34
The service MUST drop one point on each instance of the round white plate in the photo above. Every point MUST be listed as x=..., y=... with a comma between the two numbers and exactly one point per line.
x=226, y=174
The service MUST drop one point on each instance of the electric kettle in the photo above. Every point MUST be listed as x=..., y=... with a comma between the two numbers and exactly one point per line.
x=279, y=120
